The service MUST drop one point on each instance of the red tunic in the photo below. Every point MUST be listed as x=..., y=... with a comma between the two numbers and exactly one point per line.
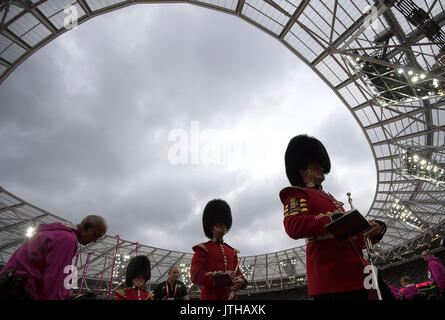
x=331, y=266
x=209, y=257
x=133, y=294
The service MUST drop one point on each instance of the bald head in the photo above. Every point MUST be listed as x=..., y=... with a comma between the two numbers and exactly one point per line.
x=173, y=274
x=426, y=254
x=92, y=228
x=96, y=222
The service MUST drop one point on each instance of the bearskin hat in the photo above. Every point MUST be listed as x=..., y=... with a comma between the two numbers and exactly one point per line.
x=216, y=211
x=301, y=151
x=138, y=266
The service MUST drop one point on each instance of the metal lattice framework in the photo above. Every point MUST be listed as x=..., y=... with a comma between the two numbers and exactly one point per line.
x=385, y=60
x=101, y=265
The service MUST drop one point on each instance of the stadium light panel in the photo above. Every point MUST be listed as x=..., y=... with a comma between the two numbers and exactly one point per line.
x=30, y=232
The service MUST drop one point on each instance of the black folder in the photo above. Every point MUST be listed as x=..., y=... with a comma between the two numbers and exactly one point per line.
x=222, y=280
x=350, y=224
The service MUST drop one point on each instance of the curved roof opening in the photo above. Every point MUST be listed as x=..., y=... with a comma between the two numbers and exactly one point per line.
x=132, y=116
x=383, y=60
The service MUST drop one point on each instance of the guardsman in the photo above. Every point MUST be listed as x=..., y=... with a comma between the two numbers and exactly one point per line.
x=335, y=270
x=137, y=274
x=215, y=265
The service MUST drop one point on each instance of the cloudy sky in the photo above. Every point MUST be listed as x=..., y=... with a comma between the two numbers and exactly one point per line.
x=145, y=114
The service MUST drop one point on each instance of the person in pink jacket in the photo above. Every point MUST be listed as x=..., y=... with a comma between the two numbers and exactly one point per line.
x=37, y=268
x=436, y=270
x=409, y=291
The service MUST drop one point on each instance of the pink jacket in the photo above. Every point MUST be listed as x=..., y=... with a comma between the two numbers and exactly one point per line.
x=395, y=292
x=409, y=292
x=43, y=259
x=437, y=271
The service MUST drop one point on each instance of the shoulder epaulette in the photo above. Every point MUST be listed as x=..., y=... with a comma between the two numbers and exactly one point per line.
x=284, y=194
x=235, y=251
x=121, y=293
x=150, y=296
x=201, y=245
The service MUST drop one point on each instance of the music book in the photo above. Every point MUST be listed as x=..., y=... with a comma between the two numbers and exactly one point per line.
x=350, y=224
x=222, y=280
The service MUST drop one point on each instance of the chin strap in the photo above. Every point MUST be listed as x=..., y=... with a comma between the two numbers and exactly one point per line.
x=312, y=173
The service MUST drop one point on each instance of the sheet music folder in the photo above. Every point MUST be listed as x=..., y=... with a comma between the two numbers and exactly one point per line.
x=222, y=280
x=350, y=224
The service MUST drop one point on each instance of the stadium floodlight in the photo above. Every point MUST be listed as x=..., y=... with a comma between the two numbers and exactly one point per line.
x=288, y=266
x=301, y=280
x=247, y=270
x=414, y=166
x=30, y=232
x=398, y=210
x=392, y=85
x=185, y=275
x=118, y=267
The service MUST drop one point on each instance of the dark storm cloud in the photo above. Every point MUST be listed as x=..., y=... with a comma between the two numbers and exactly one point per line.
x=84, y=124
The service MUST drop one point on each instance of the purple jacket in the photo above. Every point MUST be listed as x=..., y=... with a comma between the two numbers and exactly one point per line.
x=437, y=271
x=395, y=292
x=43, y=259
x=409, y=292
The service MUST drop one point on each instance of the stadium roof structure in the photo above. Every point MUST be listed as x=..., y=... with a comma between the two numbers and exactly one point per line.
x=385, y=60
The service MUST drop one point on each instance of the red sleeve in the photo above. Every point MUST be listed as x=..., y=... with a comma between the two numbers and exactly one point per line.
x=198, y=269
x=299, y=221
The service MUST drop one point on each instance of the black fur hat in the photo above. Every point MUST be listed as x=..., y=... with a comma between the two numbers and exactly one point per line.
x=302, y=150
x=216, y=211
x=138, y=266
